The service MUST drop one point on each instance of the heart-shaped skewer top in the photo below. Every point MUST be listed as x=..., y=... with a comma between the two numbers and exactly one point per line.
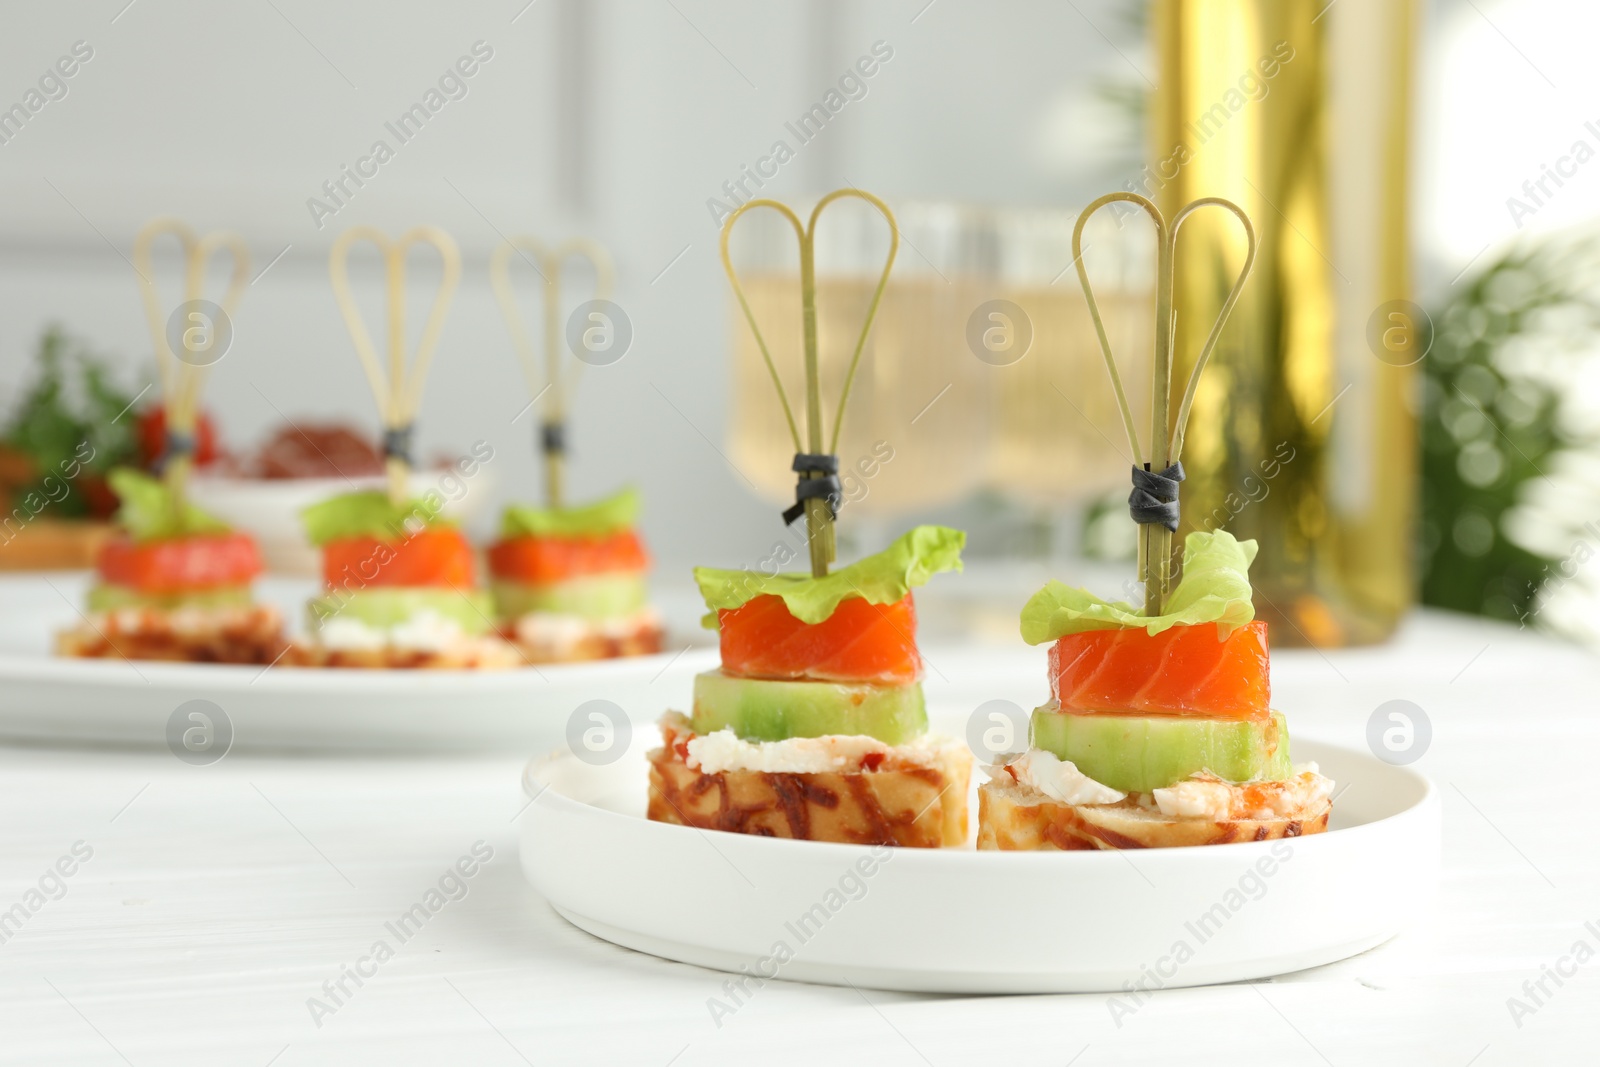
x=398, y=390
x=817, y=494
x=551, y=384
x=1155, y=497
x=203, y=334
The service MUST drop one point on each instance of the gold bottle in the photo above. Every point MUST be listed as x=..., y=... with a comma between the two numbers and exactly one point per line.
x=1302, y=435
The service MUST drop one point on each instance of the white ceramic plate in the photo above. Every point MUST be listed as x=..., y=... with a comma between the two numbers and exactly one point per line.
x=48, y=698
x=962, y=921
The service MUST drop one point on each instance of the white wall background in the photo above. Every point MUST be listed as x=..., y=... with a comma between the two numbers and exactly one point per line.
x=232, y=115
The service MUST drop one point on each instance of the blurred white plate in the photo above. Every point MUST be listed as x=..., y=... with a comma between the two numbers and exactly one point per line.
x=48, y=698
x=961, y=921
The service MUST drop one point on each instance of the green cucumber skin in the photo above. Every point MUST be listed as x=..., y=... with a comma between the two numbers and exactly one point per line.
x=1135, y=754
x=603, y=596
x=760, y=709
x=108, y=597
x=384, y=607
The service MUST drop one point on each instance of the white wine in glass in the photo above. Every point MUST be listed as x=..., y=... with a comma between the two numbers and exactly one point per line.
x=919, y=420
x=1059, y=438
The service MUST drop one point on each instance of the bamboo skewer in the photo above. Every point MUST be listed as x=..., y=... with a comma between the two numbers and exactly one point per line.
x=182, y=380
x=819, y=512
x=399, y=390
x=820, y=534
x=549, y=263
x=1166, y=435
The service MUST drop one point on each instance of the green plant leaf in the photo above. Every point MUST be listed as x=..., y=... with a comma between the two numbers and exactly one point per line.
x=1497, y=427
x=369, y=513
x=618, y=512
x=1215, y=587
x=148, y=512
x=61, y=410
x=885, y=578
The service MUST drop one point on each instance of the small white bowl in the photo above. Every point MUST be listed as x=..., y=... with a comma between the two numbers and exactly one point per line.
x=269, y=508
x=960, y=921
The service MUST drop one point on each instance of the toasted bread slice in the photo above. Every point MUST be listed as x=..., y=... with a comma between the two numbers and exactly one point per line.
x=597, y=642
x=1012, y=816
x=910, y=795
x=476, y=653
x=247, y=634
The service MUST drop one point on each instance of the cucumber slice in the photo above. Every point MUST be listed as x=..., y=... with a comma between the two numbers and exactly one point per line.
x=760, y=709
x=602, y=596
x=1136, y=754
x=385, y=607
x=108, y=597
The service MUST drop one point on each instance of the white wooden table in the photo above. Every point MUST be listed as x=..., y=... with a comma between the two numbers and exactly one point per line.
x=216, y=901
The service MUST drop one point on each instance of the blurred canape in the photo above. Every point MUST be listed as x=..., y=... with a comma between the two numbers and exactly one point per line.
x=173, y=583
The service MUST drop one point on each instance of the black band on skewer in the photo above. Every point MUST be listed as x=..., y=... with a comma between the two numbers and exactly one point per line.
x=397, y=443
x=1155, y=496
x=553, y=438
x=823, y=487
x=173, y=447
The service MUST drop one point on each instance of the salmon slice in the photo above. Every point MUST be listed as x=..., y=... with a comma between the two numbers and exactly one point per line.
x=1185, y=670
x=859, y=642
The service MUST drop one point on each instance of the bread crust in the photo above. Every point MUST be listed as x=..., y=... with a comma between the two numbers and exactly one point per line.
x=251, y=634
x=1014, y=818
x=904, y=802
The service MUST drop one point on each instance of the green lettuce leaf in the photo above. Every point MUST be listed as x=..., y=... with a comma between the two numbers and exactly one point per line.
x=885, y=578
x=147, y=512
x=369, y=513
x=1215, y=587
x=603, y=517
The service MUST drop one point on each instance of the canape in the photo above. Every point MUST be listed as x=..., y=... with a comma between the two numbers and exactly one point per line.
x=399, y=590
x=173, y=583
x=815, y=727
x=569, y=583
x=1159, y=732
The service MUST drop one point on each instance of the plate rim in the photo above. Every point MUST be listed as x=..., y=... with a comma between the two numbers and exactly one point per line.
x=113, y=672
x=950, y=982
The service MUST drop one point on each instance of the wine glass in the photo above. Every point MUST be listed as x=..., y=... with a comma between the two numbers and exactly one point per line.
x=1059, y=438
x=921, y=412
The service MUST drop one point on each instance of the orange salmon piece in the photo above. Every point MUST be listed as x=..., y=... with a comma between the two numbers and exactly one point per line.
x=859, y=642
x=1184, y=670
